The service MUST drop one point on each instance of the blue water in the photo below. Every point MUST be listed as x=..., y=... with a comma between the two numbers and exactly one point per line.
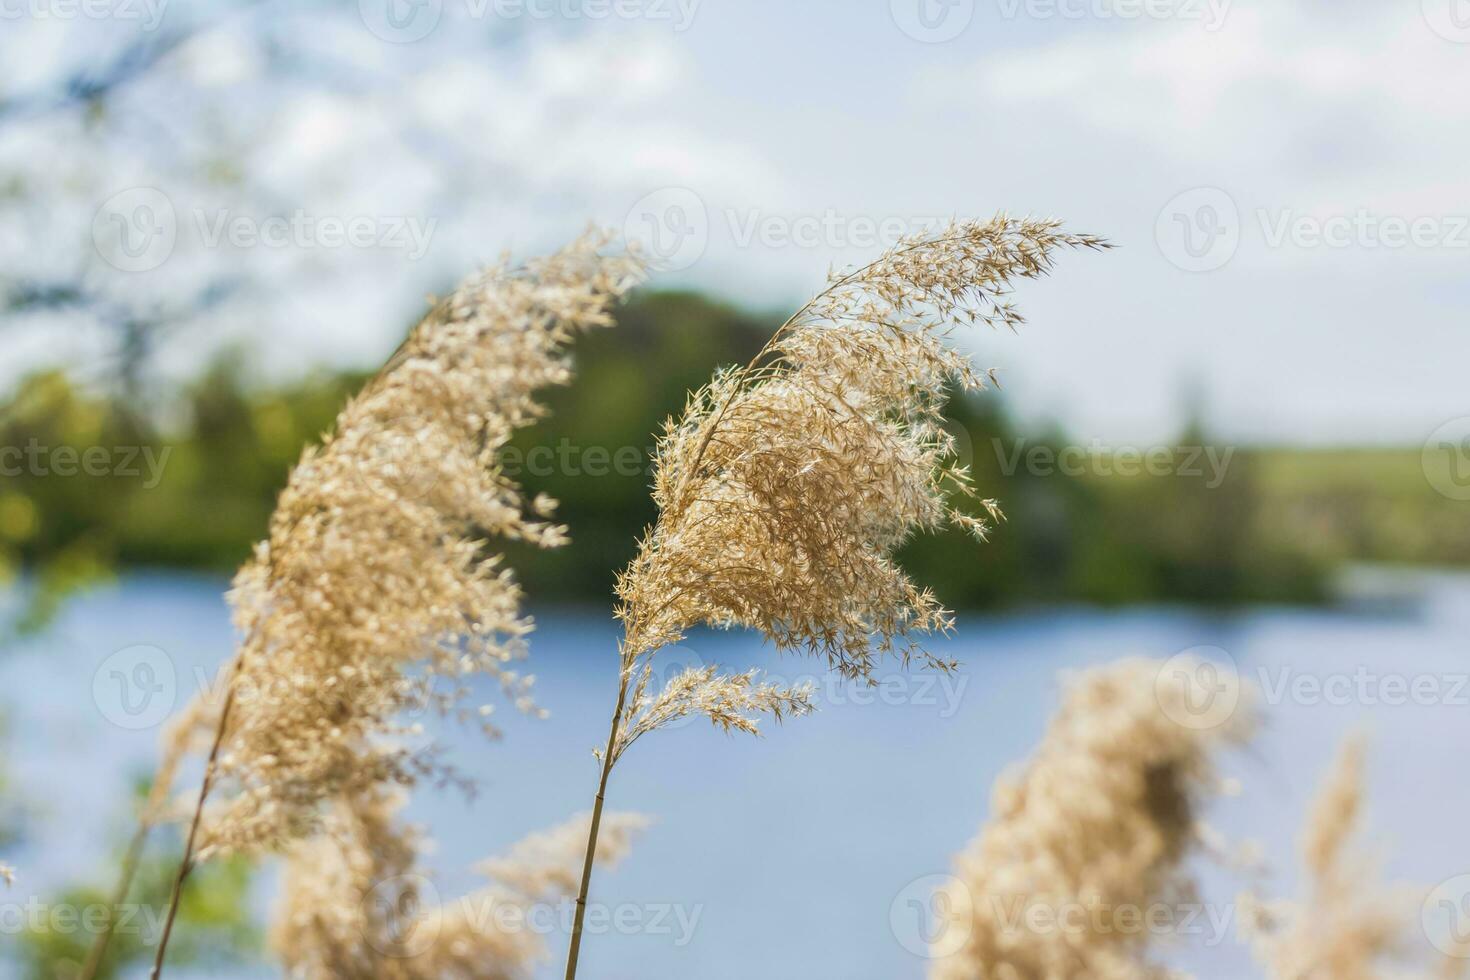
x=793, y=849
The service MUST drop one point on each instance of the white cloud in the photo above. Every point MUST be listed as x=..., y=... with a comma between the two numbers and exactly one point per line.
x=487, y=146
x=516, y=135
x=1270, y=74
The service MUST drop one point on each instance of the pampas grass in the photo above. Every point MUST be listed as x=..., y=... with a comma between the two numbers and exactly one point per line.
x=785, y=486
x=1103, y=819
x=1347, y=925
x=784, y=490
x=358, y=906
x=378, y=591
x=1103, y=816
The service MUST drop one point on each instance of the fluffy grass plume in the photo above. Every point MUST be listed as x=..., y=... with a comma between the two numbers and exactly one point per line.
x=1102, y=816
x=357, y=905
x=785, y=486
x=1347, y=926
x=378, y=590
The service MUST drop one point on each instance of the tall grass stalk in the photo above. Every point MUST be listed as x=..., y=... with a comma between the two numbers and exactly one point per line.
x=786, y=485
x=378, y=577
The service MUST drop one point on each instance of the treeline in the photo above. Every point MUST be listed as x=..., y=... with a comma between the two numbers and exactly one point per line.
x=89, y=484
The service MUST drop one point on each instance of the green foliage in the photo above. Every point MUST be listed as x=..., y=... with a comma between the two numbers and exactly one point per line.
x=87, y=484
x=201, y=487
x=214, y=924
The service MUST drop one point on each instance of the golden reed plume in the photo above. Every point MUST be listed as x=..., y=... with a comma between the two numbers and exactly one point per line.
x=786, y=485
x=378, y=591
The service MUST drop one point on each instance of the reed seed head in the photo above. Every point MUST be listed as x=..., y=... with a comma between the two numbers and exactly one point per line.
x=1348, y=926
x=378, y=592
x=786, y=486
x=1103, y=816
x=357, y=904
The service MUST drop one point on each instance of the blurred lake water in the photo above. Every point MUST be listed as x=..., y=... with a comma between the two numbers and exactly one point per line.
x=793, y=857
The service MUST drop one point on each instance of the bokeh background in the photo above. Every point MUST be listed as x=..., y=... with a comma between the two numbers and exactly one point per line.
x=1243, y=433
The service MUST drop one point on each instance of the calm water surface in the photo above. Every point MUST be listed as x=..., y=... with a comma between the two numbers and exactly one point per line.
x=788, y=857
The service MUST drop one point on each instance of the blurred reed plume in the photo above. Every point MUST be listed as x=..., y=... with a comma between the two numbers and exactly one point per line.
x=1347, y=926
x=1102, y=820
x=786, y=485
x=1103, y=816
x=378, y=592
x=357, y=906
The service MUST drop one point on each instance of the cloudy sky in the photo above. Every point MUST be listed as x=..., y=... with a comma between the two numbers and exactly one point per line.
x=1286, y=178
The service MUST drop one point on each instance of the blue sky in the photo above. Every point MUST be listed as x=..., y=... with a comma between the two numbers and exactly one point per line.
x=1286, y=178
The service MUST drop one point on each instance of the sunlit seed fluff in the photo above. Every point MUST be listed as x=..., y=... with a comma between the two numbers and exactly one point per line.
x=378, y=590
x=785, y=487
x=731, y=702
x=357, y=905
x=1102, y=817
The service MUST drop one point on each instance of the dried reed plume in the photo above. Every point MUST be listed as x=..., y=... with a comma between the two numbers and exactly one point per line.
x=358, y=906
x=1104, y=816
x=377, y=591
x=785, y=487
x=1347, y=926
x=1101, y=817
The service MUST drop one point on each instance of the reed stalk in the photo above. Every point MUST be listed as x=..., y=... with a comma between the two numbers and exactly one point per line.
x=786, y=485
